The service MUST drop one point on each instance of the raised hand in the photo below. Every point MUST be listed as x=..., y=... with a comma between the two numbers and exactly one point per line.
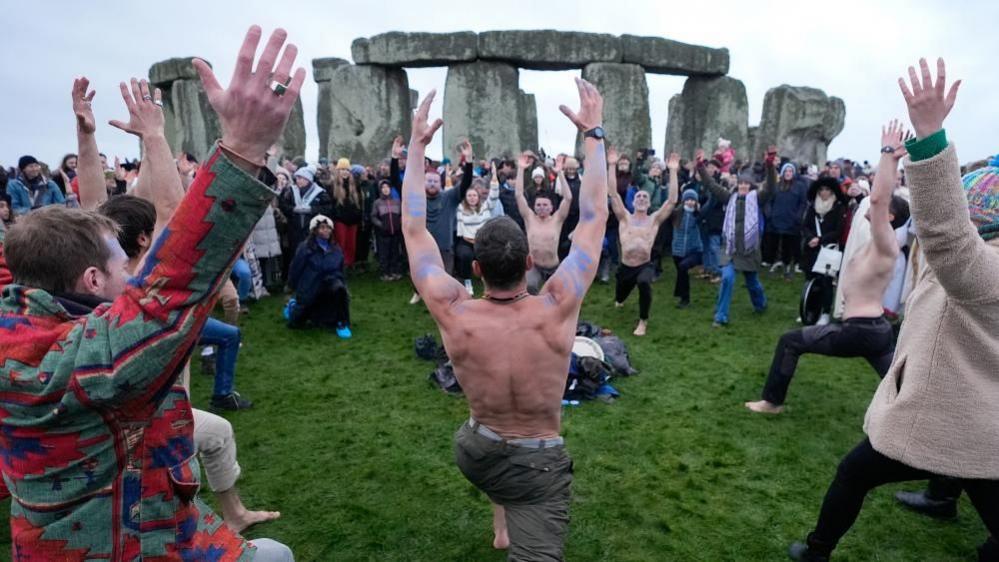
x=673, y=162
x=591, y=107
x=397, y=147
x=465, y=147
x=699, y=155
x=252, y=112
x=927, y=102
x=423, y=132
x=145, y=112
x=612, y=156
x=82, y=106
x=524, y=160
x=559, y=163
x=893, y=136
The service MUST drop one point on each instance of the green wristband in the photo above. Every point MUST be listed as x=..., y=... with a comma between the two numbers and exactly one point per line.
x=927, y=148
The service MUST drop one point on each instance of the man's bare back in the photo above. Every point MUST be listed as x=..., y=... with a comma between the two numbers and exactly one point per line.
x=516, y=394
x=866, y=278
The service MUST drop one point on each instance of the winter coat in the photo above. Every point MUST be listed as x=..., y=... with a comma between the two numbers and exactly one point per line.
x=314, y=270
x=686, y=233
x=386, y=215
x=831, y=225
x=787, y=203
x=26, y=194
x=266, y=241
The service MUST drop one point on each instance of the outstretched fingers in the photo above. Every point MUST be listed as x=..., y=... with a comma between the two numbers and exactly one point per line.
x=424, y=109
x=127, y=96
x=924, y=69
x=952, y=94
x=244, y=60
x=208, y=80
x=283, y=70
x=265, y=66
x=294, y=87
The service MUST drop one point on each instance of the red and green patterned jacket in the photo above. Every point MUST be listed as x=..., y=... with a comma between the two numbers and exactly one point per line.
x=96, y=434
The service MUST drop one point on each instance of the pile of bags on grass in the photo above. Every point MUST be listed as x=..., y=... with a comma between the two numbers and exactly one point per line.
x=597, y=356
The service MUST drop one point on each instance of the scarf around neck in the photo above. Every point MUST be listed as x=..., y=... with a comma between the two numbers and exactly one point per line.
x=823, y=207
x=750, y=223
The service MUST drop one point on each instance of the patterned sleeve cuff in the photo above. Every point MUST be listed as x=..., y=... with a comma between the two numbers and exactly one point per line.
x=927, y=148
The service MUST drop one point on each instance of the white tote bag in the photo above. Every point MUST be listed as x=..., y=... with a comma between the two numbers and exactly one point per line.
x=830, y=257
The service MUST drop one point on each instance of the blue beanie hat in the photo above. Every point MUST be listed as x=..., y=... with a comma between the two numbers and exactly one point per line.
x=689, y=194
x=786, y=166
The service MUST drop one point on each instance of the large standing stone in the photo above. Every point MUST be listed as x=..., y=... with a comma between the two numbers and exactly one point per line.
x=527, y=113
x=293, y=138
x=415, y=49
x=322, y=73
x=707, y=109
x=665, y=56
x=626, y=105
x=368, y=107
x=165, y=72
x=801, y=122
x=548, y=49
x=484, y=104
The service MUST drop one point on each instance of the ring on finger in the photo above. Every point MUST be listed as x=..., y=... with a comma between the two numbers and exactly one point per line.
x=279, y=88
x=158, y=102
x=147, y=97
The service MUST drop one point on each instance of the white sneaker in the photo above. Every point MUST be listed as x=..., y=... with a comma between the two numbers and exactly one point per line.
x=776, y=266
x=797, y=269
x=823, y=320
x=469, y=288
x=415, y=299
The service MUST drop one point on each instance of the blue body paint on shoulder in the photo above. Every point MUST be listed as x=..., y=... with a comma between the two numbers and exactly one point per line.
x=573, y=269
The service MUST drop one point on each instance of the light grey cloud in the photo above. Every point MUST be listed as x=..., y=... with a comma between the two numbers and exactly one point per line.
x=851, y=49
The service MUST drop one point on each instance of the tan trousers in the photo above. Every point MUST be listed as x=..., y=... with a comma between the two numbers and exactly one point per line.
x=229, y=299
x=215, y=442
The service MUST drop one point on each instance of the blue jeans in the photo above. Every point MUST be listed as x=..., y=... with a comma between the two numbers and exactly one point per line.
x=225, y=338
x=712, y=245
x=756, y=294
x=244, y=279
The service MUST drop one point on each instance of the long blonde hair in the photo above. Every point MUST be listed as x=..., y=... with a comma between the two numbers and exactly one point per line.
x=340, y=194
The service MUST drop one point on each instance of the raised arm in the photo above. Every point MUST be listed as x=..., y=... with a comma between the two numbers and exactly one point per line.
x=438, y=289
x=664, y=212
x=568, y=286
x=467, y=169
x=160, y=182
x=709, y=183
x=89, y=172
x=164, y=307
x=565, y=205
x=522, y=205
x=394, y=173
x=893, y=136
x=951, y=242
x=615, y=198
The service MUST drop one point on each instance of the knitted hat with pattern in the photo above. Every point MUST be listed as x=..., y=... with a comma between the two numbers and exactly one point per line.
x=982, y=190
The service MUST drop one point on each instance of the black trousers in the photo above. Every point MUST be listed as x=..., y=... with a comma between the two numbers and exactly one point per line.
x=628, y=277
x=661, y=246
x=828, y=290
x=683, y=266
x=870, y=338
x=864, y=469
x=363, y=248
x=389, y=248
x=464, y=255
x=331, y=308
x=787, y=246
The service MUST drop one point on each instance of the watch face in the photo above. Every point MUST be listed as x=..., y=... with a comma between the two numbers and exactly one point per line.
x=597, y=132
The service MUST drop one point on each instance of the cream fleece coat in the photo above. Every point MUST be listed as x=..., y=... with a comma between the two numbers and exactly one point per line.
x=937, y=409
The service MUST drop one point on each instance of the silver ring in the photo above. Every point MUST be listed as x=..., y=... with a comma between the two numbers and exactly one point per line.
x=158, y=102
x=147, y=97
x=279, y=88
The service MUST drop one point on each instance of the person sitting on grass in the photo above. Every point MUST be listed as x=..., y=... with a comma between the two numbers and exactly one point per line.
x=934, y=412
x=740, y=239
x=637, y=232
x=865, y=332
x=103, y=352
x=317, y=277
x=543, y=225
x=510, y=448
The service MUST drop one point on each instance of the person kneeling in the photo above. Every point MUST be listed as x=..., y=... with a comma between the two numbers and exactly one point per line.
x=316, y=275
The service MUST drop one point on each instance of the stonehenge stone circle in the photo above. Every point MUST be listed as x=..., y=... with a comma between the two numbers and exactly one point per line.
x=708, y=108
x=626, y=105
x=368, y=107
x=415, y=49
x=801, y=122
x=549, y=49
x=664, y=56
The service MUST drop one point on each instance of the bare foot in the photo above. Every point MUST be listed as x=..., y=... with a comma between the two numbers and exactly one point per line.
x=640, y=330
x=247, y=519
x=501, y=540
x=764, y=407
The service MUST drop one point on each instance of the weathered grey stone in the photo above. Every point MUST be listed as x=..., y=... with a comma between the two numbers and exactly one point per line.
x=293, y=138
x=415, y=49
x=707, y=109
x=549, y=49
x=801, y=122
x=527, y=117
x=191, y=123
x=665, y=56
x=626, y=105
x=368, y=107
x=751, y=138
x=414, y=99
x=165, y=72
x=483, y=103
x=322, y=69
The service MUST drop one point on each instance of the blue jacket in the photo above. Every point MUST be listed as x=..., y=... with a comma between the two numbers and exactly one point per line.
x=686, y=234
x=26, y=195
x=787, y=206
x=314, y=269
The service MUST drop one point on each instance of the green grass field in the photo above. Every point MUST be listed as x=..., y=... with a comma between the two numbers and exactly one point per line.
x=351, y=443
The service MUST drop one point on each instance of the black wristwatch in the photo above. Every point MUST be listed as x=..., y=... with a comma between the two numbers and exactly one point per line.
x=595, y=133
x=887, y=150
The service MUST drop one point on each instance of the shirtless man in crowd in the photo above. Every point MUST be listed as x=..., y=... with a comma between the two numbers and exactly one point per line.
x=510, y=448
x=638, y=233
x=864, y=332
x=543, y=225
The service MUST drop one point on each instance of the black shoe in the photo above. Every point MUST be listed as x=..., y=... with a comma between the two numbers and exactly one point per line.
x=232, y=401
x=800, y=551
x=683, y=304
x=920, y=503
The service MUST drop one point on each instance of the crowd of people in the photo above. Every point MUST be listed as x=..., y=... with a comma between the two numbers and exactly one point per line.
x=148, y=247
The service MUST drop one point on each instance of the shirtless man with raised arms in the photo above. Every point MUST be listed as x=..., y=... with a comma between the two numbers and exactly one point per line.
x=638, y=234
x=510, y=448
x=543, y=225
x=864, y=331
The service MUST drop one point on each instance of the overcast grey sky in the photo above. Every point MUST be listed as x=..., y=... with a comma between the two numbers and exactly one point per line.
x=851, y=49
